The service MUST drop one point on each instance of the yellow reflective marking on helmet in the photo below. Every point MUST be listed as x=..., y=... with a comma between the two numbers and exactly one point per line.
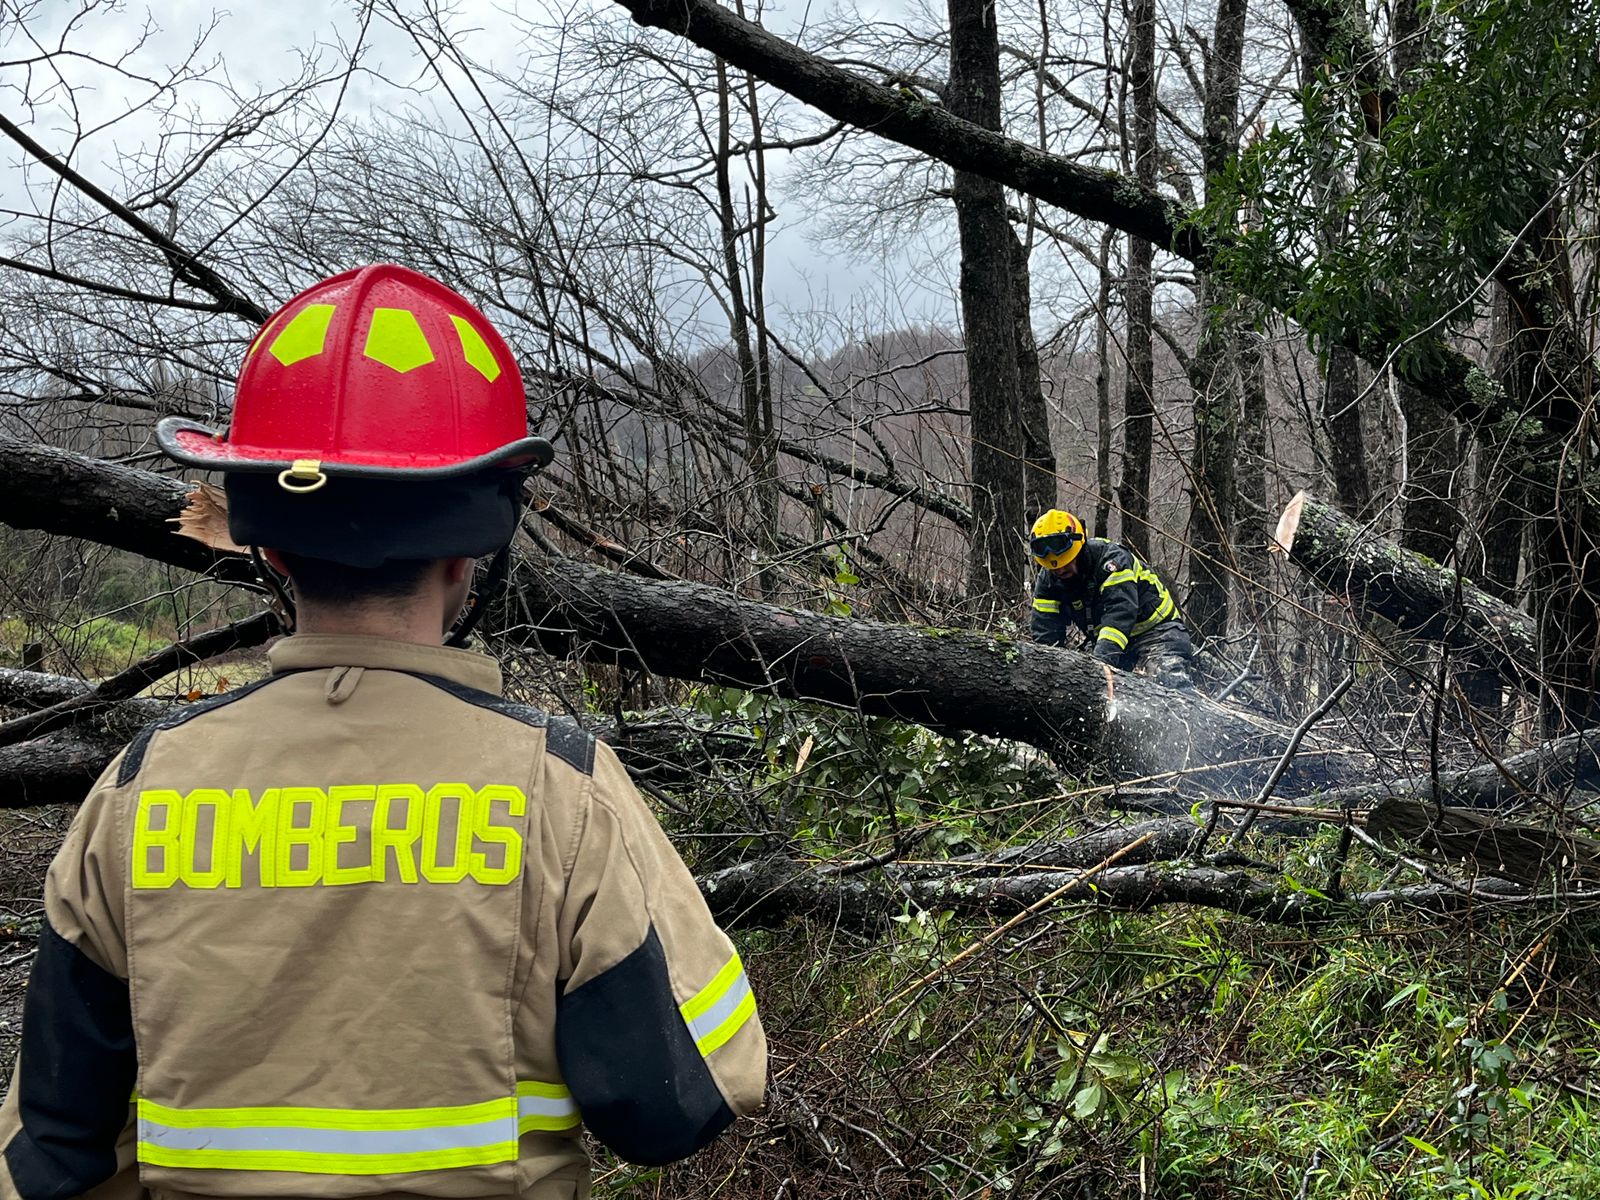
x=396, y=340
x=1046, y=606
x=1115, y=636
x=475, y=350
x=304, y=336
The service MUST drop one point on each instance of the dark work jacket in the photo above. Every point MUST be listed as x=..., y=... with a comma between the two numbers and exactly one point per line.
x=1115, y=598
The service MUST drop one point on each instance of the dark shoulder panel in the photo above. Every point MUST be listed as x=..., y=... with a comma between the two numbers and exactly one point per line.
x=572, y=744
x=134, y=758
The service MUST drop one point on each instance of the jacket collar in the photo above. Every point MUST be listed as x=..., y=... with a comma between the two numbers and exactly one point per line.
x=309, y=651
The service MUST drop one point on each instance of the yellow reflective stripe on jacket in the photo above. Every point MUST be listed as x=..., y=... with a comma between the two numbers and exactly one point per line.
x=719, y=1010
x=1124, y=576
x=1164, y=612
x=544, y=1106
x=1115, y=636
x=350, y=1141
x=1046, y=606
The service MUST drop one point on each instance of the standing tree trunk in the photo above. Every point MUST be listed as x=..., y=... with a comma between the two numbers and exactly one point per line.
x=1139, y=390
x=1250, y=476
x=754, y=389
x=1216, y=409
x=995, y=567
x=1102, y=392
x=1039, y=456
x=1547, y=372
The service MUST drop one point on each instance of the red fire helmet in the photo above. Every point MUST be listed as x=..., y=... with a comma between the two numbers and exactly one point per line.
x=378, y=416
x=380, y=373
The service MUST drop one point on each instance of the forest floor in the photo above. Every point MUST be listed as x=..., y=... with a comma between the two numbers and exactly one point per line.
x=1178, y=1053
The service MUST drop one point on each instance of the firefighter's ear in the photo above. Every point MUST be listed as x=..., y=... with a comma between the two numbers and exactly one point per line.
x=458, y=570
x=275, y=561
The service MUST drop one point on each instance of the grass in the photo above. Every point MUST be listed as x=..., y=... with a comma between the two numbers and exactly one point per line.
x=1179, y=1053
x=1173, y=1055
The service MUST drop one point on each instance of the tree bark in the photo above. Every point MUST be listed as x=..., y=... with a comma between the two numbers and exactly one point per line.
x=776, y=891
x=1139, y=384
x=988, y=297
x=1432, y=521
x=1547, y=776
x=1039, y=455
x=1421, y=598
x=944, y=679
x=1216, y=402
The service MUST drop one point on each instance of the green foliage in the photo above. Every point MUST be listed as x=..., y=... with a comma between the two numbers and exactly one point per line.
x=843, y=782
x=1367, y=240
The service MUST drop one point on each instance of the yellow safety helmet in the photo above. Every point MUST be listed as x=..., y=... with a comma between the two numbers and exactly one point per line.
x=1057, y=538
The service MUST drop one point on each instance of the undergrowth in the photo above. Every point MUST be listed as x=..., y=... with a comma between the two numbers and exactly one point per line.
x=1177, y=1053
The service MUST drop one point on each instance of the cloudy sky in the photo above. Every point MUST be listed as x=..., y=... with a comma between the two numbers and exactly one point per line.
x=260, y=45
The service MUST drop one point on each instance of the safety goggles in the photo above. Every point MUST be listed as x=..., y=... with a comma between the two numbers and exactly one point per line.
x=1055, y=543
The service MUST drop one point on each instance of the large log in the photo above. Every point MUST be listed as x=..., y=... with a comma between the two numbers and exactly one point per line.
x=1422, y=598
x=950, y=680
x=774, y=891
x=1545, y=775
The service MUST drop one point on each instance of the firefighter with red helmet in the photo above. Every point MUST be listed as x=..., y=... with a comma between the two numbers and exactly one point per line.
x=367, y=927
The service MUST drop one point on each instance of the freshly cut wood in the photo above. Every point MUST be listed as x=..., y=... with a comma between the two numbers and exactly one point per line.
x=1426, y=600
x=944, y=679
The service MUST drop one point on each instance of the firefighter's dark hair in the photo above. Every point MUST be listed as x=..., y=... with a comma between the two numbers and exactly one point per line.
x=322, y=582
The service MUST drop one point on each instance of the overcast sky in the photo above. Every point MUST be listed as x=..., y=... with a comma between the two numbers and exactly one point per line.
x=259, y=45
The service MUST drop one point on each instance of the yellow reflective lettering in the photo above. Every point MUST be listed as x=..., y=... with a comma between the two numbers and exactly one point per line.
x=147, y=838
x=456, y=870
x=402, y=840
x=189, y=869
x=252, y=829
x=339, y=833
x=307, y=834
x=507, y=836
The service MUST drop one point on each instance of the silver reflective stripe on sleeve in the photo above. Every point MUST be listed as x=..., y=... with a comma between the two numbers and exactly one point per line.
x=545, y=1106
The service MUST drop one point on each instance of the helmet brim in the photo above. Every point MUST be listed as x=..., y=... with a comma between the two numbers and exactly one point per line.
x=196, y=445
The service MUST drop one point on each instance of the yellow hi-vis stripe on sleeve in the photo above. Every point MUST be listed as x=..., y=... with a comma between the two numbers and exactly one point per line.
x=350, y=1141
x=1115, y=636
x=1046, y=606
x=1164, y=611
x=719, y=1010
x=1116, y=577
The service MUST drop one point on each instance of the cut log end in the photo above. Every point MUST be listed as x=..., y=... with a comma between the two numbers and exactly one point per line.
x=1288, y=525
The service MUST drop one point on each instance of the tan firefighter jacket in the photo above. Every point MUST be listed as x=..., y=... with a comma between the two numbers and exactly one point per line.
x=368, y=929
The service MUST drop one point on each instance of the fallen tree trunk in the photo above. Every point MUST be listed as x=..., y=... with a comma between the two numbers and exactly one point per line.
x=773, y=892
x=58, y=768
x=1522, y=853
x=1550, y=774
x=944, y=679
x=1421, y=598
